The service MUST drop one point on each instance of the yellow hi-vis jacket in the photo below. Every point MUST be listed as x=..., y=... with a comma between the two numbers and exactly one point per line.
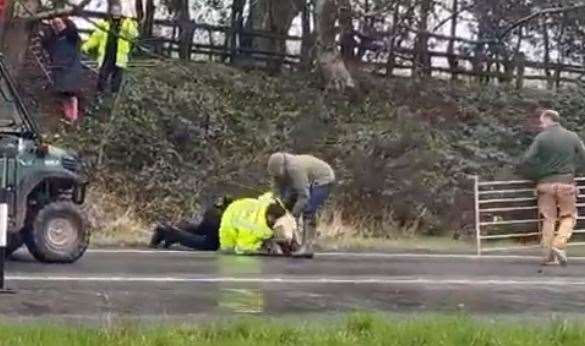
x=243, y=227
x=99, y=39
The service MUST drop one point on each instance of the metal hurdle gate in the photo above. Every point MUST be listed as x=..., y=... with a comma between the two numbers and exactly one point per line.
x=507, y=211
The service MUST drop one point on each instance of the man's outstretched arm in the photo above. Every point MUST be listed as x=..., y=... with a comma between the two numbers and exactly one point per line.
x=580, y=147
x=531, y=153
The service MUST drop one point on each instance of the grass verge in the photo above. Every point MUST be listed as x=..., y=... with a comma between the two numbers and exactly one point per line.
x=408, y=244
x=357, y=329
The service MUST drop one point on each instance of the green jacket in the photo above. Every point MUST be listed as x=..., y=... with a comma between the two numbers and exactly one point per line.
x=553, y=156
x=243, y=227
x=99, y=38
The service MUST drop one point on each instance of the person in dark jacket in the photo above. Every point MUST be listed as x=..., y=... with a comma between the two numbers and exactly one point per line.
x=62, y=41
x=551, y=161
x=201, y=234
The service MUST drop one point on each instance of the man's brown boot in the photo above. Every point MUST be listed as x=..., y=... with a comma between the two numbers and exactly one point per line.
x=560, y=256
x=548, y=258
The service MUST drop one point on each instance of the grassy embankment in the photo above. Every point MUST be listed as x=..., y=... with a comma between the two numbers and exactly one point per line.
x=402, y=150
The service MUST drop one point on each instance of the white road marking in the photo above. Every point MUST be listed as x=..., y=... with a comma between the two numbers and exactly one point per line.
x=146, y=251
x=548, y=281
x=331, y=254
x=441, y=255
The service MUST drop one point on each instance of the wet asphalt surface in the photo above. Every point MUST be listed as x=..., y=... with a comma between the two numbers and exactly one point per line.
x=105, y=285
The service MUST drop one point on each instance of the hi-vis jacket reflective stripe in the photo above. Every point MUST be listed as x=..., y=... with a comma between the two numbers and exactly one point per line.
x=243, y=226
x=99, y=38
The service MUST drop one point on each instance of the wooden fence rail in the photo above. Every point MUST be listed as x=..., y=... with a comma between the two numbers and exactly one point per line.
x=223, y=43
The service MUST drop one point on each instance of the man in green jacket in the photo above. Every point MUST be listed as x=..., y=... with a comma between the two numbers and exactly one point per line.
x=303, y=183
x=113, y=41
x=552, y=162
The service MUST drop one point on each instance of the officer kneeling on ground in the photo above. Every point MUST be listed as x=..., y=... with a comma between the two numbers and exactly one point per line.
x=244, y=226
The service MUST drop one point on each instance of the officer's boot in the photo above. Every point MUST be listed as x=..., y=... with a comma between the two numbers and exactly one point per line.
x=309, y=229
x=157, y=236
x=162, y=236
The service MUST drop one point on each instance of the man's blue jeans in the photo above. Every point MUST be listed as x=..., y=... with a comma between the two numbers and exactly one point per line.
x=318, y=195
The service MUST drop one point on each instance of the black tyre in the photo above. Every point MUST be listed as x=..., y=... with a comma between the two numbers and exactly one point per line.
x=13, y=242
x=59, y=233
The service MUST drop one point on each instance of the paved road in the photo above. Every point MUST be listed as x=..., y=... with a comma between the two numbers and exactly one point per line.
x=151, y=285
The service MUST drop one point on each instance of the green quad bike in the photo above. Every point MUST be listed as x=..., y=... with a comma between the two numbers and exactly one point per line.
x=45, y=185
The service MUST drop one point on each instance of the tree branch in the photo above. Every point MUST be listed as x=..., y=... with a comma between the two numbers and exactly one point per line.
x=57, y=13
x=451, y=16
x=384, y=9
x=544, y=12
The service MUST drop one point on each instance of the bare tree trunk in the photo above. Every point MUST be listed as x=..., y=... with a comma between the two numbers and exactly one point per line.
x=275, y=17
x=546, y=43
x=422, y=60
x=519, y=42
x=148, y=22
x=5, y=15
x=348, y=43
x=500, y=58
x=139, y=7
x=251, y=23
x=561, y=53
x=186, y=30
x=453, y=62
x=17, y=34
x=511, y=64
x=583, y=54
x=231, y=37
x=331, y=64
x=308, y=40
x=519, y=62
x=186, y=34
x=520, y=68
x=393, y=32
x=172, y=42
x=481, y=65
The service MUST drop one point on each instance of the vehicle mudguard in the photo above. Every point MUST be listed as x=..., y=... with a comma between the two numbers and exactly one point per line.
x=31, y=181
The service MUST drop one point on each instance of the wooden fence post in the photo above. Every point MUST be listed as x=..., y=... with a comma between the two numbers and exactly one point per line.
x=173, y=37
x=231, y=38
x=306, y=43
x=421, y=67
x=452, y=59
x=514, y=65
x=520, y=67
x=186, y=35
x=558, y=72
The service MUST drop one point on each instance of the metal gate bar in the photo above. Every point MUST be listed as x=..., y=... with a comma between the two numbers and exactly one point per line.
x=504, y=202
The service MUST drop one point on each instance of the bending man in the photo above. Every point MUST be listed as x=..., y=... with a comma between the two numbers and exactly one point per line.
x=303, y=183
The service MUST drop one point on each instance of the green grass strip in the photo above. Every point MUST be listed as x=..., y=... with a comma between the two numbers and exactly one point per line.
x=356, y=329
